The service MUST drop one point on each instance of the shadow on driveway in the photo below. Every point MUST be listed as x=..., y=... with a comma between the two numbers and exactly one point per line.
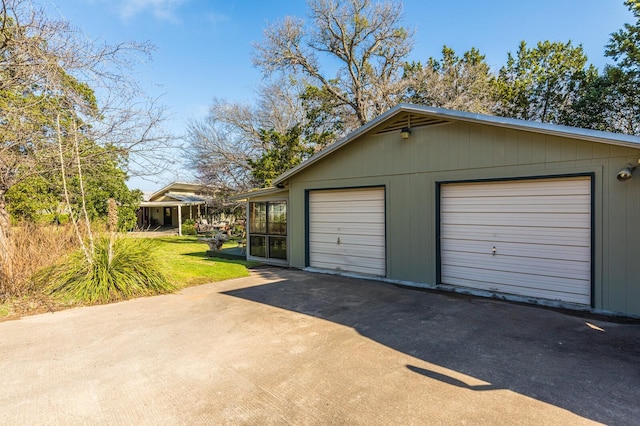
x=561, y=359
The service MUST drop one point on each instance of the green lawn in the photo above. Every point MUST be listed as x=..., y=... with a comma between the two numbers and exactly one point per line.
x=184, y=260
x=187, y=264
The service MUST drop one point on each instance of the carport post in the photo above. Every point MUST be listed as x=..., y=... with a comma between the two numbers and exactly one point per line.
x=179, y=220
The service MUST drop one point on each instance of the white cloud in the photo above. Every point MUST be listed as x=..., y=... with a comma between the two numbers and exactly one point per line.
x=218, y=18
x=163, y=10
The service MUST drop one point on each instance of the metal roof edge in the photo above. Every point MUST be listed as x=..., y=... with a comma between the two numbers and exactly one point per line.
x=257, y=193
x=454, y=115
x=166, y=187
x=170, y=203
x=533, y=126
x=334, y=146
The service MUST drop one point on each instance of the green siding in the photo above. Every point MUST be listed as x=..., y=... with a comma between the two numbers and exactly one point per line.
x=410, y=170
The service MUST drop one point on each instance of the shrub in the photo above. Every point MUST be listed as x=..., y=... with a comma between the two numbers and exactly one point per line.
x=45, y=219
x=189, y=227
x=121, y=268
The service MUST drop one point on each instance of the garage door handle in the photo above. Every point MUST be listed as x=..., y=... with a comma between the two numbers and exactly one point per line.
x=493, y=251
x=338, y=242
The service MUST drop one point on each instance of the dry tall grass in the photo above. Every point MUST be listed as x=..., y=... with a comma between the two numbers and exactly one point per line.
x=36, y=247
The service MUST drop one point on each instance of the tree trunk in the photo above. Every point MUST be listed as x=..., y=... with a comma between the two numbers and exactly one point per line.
x=6, y=249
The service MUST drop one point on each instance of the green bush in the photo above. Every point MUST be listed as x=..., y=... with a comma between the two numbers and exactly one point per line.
x=188, y=230
x=51, y=219
x=121, y=268
x=62, y=219
x=189, y=227
x=45, y=218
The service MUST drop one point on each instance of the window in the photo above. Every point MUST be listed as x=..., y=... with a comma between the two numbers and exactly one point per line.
x=268, y=229
x=258, y=218
x=278, y=248
x=258, y=246
x=277, y=218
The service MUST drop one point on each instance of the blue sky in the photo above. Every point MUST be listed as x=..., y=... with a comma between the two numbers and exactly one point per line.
x=204, y=47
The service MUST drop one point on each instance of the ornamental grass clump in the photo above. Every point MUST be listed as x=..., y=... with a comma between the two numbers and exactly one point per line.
x=109, y=268
x=118, y=269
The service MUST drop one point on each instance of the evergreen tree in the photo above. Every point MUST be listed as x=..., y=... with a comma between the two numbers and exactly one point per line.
x=454, y=82
x=283, y=152
x=538, y=83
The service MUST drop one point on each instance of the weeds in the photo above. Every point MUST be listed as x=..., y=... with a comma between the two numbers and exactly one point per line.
x=36, y=247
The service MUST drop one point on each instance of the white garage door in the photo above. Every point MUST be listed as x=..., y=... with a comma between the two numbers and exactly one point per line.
x=528, y=237
x=347, y=230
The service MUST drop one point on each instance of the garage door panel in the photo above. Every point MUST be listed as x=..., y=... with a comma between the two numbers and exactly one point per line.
x=343, y=219
x=555, y=236
x=357, y=268
x=352, y=250
x=519, y=188
x=552, y=267
x=331, y=196
x=339, y=228
x=358, y=264
x=360, y=259
x=346, y=207
x=518, y=205
x=501, y=279
x=354, y=239
x=524, y=290
x=558, y=289
x=506, y=201
x=529, y=251
x=347, y=230
x=541, y=230
x=540, y=220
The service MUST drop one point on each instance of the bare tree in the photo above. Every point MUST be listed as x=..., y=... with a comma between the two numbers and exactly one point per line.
x=221, y=146
x=365, y=38
x=53, y=79
x=304, y=101
x=279, y=104
x=221, y=143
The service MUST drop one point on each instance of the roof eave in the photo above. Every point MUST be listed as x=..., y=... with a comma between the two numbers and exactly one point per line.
x=161, y=191
x=171, y=203
x=257, y=193
x=328, y=150
x=531, y=126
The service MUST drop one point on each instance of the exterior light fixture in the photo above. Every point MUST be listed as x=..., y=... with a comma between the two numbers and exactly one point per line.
x=626, y=173
x=405, y=133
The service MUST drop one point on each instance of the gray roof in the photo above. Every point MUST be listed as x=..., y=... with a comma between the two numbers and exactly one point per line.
x=170, y=203
x=469, y=117
x=185, y=197
x=177, y=184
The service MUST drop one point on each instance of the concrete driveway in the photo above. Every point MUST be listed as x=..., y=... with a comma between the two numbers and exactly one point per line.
x=290, y=347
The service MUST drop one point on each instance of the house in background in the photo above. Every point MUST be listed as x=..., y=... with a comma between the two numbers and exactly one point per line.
x=466, y=202
x=170, y=206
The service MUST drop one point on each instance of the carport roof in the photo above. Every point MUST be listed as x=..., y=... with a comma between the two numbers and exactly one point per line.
x=403, y=115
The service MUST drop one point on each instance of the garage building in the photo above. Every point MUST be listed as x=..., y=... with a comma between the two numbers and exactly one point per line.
x=466, y=202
